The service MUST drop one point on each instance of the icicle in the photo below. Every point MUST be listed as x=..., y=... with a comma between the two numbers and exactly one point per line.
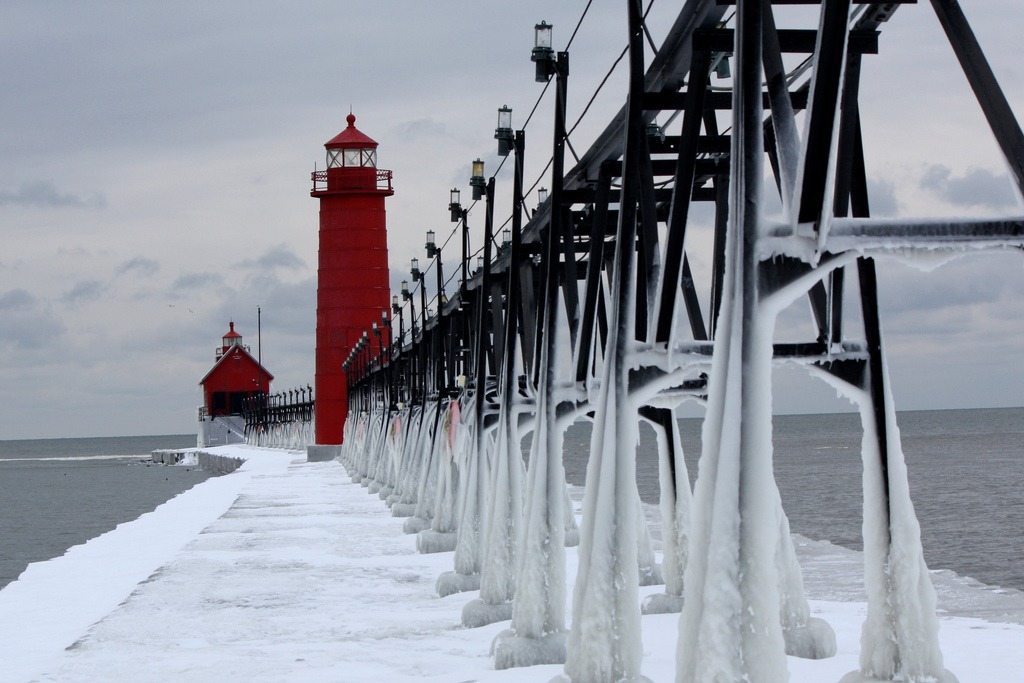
x=674, y=504
x=899, y=639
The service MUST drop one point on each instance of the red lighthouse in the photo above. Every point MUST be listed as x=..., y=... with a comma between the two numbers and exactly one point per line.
x=234, y=377
x=352, y=280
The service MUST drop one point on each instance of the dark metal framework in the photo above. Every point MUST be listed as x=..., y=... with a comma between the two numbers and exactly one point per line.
x=604, y=266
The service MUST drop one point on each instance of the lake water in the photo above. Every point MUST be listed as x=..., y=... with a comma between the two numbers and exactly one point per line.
x=56, y=493
x=966, y=471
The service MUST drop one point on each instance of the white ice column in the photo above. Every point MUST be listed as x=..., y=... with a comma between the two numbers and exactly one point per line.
x=899, y=639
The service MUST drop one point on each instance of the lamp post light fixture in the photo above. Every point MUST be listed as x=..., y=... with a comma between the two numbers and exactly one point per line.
x=396, y=309
x=503, y=133
x=479, y=262
x=542, y=196
x=414, y=268
x=431, y=244
x=476, y=181
x=506, y=238
x=405, y=290
x=542, y=55
x=454, y=205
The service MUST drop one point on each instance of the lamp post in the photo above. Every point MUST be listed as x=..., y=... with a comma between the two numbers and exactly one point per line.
x=406, y=296
x=396, y=309
x=433, y=251
x=380, y=362
x=549, y=64
x=543, y=56
x=455, y=204
x=503, y=133
x=476, y=181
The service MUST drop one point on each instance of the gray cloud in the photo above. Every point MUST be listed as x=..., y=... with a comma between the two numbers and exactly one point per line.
x=139, y=265
x=86, y=290
x=420, y=129
x=279, y=256
x=44, y=194
x=198, y=281
x=977, y=187
x=882, y=197
x=27, y=321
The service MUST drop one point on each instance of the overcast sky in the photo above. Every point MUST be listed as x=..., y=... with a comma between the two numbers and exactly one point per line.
x=154, y=184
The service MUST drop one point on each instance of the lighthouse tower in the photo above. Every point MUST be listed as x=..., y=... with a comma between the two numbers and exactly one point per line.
x=352, y=281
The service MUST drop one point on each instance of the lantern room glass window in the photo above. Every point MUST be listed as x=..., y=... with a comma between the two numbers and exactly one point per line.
x=366, y=157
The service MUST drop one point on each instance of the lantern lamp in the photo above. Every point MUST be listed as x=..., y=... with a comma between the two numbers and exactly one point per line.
x=722, y=69
x=383, y=317
x=542, y=195
x=394, y=304
x=479, y=262
x=506, y=237
x=431, y=244
x=414, y=268
x=476, y=181
x=503, y=133
x=454, y=205
x=542, y=55
x=374, y=325
x=405, y=290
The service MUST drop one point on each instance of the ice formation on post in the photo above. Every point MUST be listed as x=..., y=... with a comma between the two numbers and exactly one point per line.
x=604, y=641
x=441, y=536
x=674, y=505
x=502, y=520
x=473, y=475
x=741, y=570
x=403, y=500
x=537, y=633
x=899, y=639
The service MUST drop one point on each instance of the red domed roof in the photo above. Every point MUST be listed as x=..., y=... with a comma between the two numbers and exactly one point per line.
x=350, y=137
x=231, y=334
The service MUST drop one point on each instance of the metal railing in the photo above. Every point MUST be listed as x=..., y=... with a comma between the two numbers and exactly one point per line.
x=319, y=179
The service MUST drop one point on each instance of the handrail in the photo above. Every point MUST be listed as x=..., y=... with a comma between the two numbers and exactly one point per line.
x=384, y=176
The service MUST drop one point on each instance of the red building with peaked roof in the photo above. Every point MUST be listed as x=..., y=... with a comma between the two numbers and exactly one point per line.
x=234, y=377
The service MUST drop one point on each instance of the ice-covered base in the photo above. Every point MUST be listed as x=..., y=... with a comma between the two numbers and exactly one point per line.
x=364, y=482
x=639, y=679
x=814, y=640
x=286, y=571
x=858, y=677
x=511, y=650
x=430, y=541
x=384, y=492
x=651, y=576
x=403, y=509
x=322, y=453
x=414, y=525
x=373, y=488
x=450, y=583
x=478, y=613
x=662, y=603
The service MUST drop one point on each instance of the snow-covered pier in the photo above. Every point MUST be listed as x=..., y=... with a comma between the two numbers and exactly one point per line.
x=286, y=570
x=218, y=463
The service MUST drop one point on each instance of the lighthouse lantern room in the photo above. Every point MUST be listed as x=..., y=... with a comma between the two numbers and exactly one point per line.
x=234, y=377
x=352, y=274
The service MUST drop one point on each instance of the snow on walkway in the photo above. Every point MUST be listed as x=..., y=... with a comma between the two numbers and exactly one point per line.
x=287, y=571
